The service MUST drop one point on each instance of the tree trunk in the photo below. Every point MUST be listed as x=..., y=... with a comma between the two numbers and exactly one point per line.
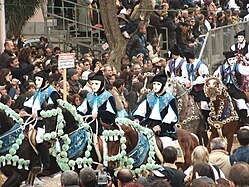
x=117, y=42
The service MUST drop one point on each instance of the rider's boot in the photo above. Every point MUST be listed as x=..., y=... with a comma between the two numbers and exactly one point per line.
x=204, y=135
x=45, y=159
x=243, y=117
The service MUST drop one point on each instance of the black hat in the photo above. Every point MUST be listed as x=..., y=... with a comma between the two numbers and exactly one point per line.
x=160, y=77
x=71, y=72
x=44, y=74
x=185, y=23
x=189, y=53
x=175, y=50
x=229, y=54
x=240, y=33
x=98, y=76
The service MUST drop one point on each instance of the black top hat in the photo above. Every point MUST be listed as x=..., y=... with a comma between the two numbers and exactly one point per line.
x=175, y=50
x=160, y=77
x=44, y=74
x=240, y=33
x=98, y=76
x=229, y=54
x=189, y=53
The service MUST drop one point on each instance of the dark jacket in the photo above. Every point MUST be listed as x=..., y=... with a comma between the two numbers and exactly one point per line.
x=4, y=58
x=136, y=45
x=240, y=155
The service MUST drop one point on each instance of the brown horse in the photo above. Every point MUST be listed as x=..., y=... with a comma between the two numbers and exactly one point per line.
x=223, y=118
x=190, y=117
x=186, y=140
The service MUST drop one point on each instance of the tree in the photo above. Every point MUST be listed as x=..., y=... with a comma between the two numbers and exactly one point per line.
x=117, y=42
x=18, y=12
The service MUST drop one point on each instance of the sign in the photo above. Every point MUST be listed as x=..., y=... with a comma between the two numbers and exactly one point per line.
x=66, y=60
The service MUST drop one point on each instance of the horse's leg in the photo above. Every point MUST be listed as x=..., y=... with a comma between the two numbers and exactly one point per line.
x=203, y=138
x=14, y=180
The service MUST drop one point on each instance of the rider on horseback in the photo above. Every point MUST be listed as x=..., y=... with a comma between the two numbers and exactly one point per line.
x=196, y=73
x=158, y=110
x=99, y=103
x=44, y=95
x=177, y=65
x=230, y=74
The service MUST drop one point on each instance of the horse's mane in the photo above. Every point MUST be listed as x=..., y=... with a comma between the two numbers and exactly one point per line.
x=5, y=122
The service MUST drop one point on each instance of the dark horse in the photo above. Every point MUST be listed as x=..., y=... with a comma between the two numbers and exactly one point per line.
x=17, y=176
x=223, y=117
x=186, y=140
x=190, y=117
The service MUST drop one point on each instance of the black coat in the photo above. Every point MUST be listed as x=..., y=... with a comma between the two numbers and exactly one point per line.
x=4, y=58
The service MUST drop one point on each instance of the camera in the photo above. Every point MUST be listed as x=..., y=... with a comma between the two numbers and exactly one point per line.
x=102, y=177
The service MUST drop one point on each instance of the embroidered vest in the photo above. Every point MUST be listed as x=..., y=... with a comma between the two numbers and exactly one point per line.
x=178, y=69
x=242, y=51
x=198, y=87
x=235, y=74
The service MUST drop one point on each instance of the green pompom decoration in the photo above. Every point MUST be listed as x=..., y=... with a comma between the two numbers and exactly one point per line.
x=89, y=161
x=47, y=137
x=15, y=146
x=61, y=126
x=26, y=164
x=87, y=154
x=111, y=133
x=123, y=146
x=84, y=160
x=129, y=167
x=89, y=147
x=1, y=143
x=123, y=153
x=113, y=158
x=143, y=167
x=63, y=154
x=15, y=159
x=12, y=151
x=71, y=163
x=137, y=171
x=65, y=147
x=65, y=137
x=108, y=159
x=8, y=158
x=148, y=166
x=60, y=132
x=68, y=141
x=53, y=135
x=130, y=161
x=64, y=167
x=79, y=162
x=122, y=140
x=19, y=141
x=118, y=157
x=150, y=160
x=21, y=136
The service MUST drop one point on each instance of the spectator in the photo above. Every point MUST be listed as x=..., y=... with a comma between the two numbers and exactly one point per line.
x=202, y=169
x=137, y=44
x=74, y=84
x=56, y=73
x=105, y=57
x=124, y=177
x=154, y=49
x=107, y=73
x=200, y=155
x=57, y=51
x=133, y=184
x=239, y=175
x=219, y=156
x=160, y=183
x=96, y=65
x=7, y=53
x=6, y=100
x=118, y=95
x=76, y=100
x=169, y=170
x=242, y=152
x=69, y=178
x=88, y=177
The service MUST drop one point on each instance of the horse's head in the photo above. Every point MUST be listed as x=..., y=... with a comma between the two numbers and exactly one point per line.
x=115, y=142
x=213, y=87
x=52, y=124
x=6, y=123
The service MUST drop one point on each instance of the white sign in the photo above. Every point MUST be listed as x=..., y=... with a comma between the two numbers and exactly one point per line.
x=66, y=60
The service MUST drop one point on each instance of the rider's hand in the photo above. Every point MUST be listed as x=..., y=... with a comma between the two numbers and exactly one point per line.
x=188, y=84
x=157, y=128
x=34, y=115
x=95, y=115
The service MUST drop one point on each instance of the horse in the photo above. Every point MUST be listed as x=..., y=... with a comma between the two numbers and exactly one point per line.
x=71, y=125
x=223, y=117
x=190, y=117
x=139, y=142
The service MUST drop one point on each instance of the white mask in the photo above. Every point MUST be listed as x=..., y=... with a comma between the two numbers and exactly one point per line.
x=231, y=61
x=157, y=86
x=38, y=82
x=241, y=38
x=96, y=85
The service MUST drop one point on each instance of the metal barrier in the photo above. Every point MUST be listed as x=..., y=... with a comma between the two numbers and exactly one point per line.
x=219, y=40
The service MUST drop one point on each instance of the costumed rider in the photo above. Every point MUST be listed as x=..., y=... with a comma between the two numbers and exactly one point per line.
x=45, y=95
x=158, y=110
x=230, y=74
x=177, y=65
x=100, y=103
x=242, y=46
x=195, y=79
